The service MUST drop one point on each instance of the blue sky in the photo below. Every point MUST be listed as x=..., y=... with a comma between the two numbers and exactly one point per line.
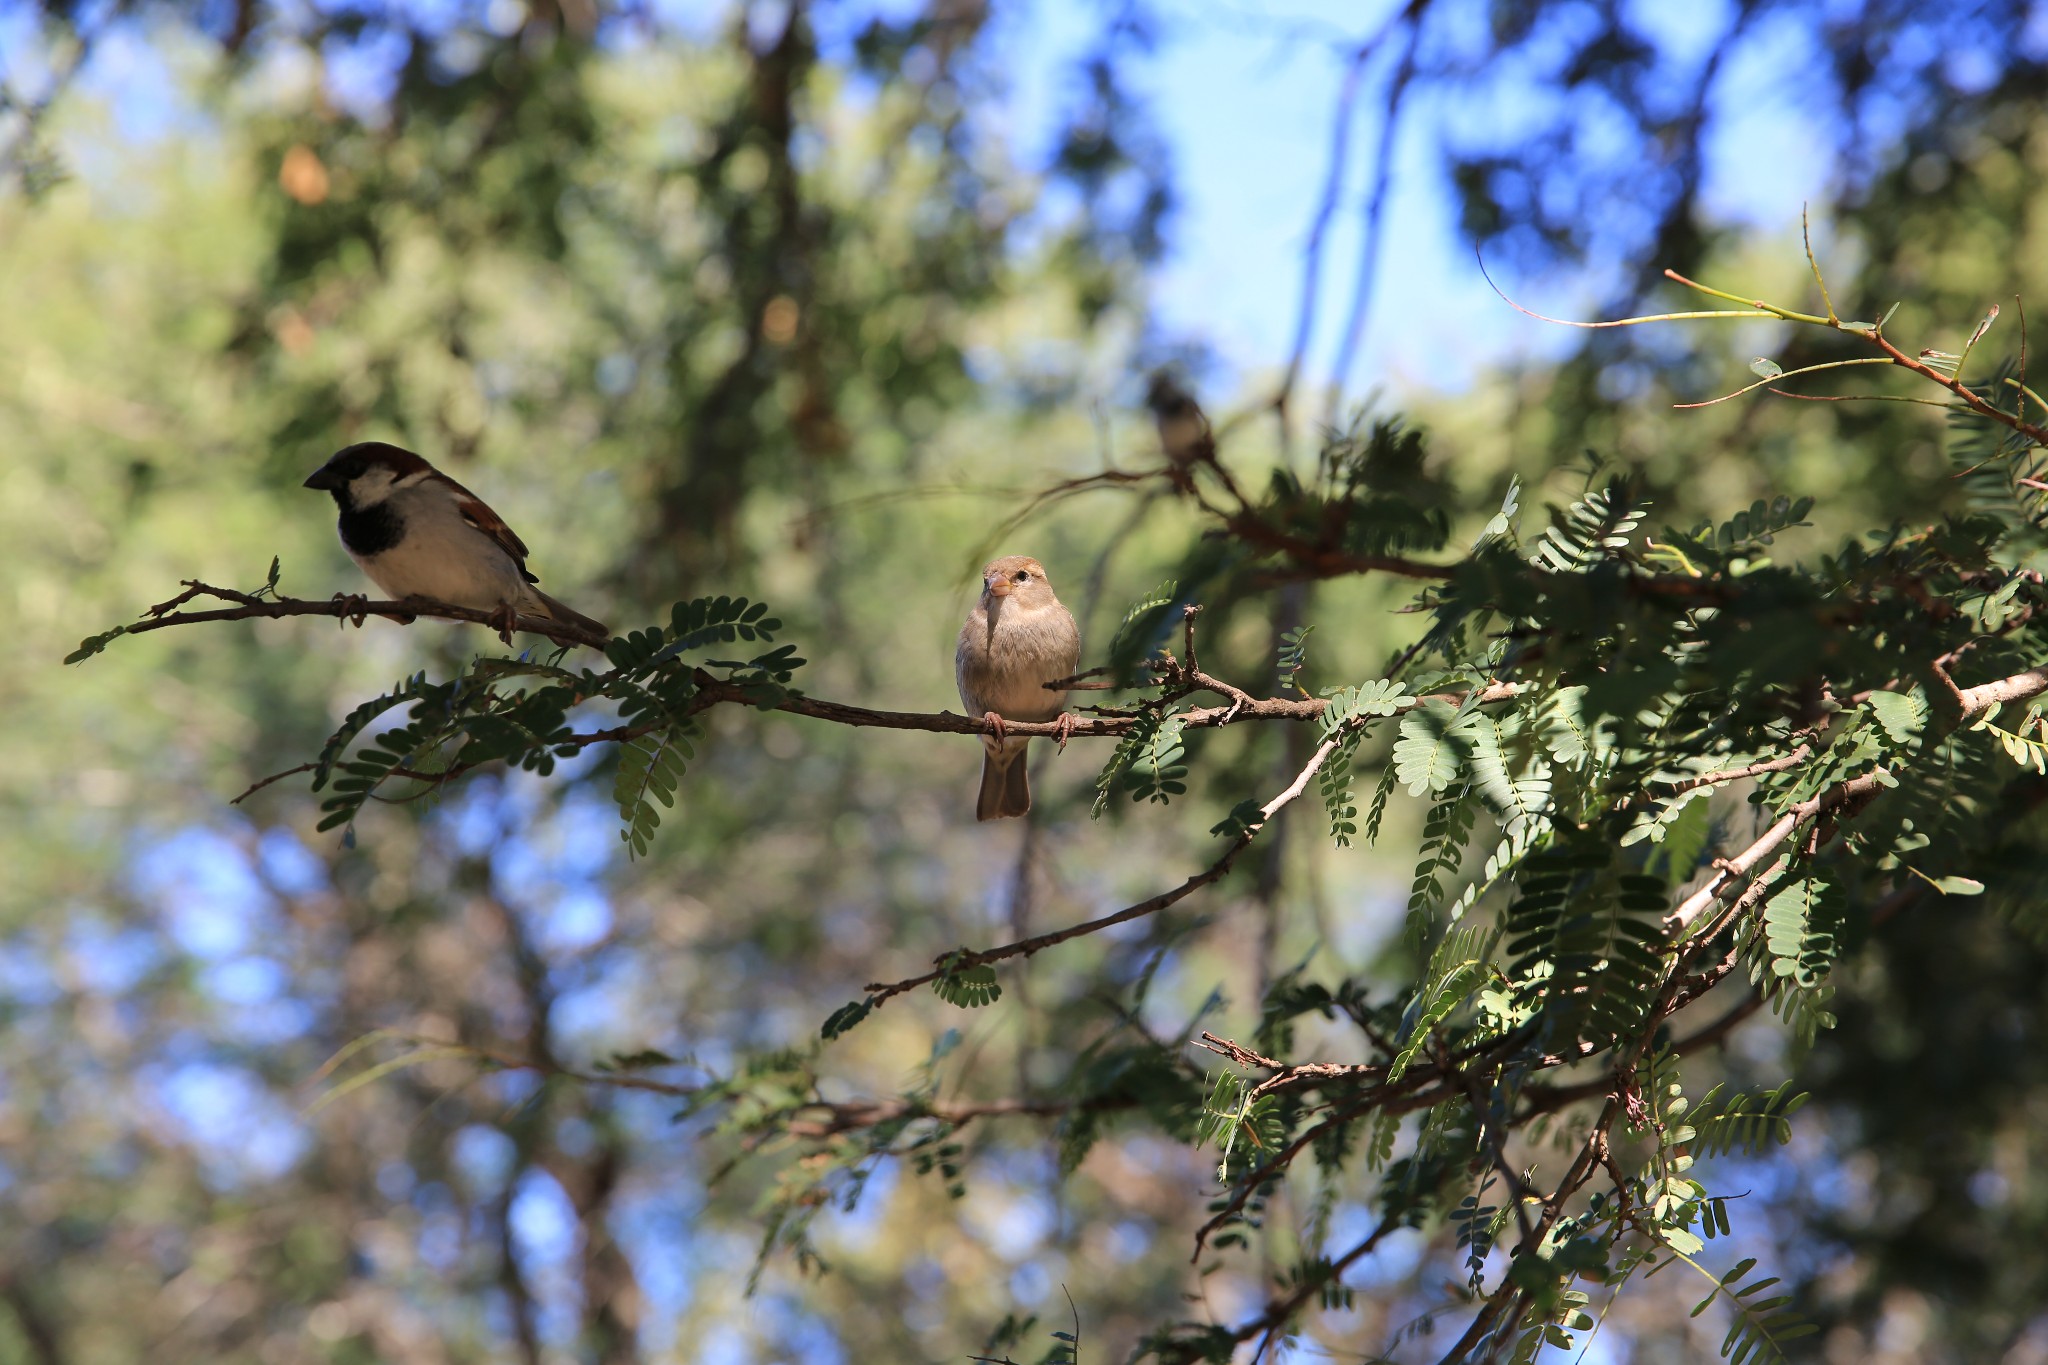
x=1245, y=92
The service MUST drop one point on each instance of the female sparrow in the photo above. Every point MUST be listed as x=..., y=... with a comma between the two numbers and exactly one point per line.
x=418, y=533
x=1017, y=639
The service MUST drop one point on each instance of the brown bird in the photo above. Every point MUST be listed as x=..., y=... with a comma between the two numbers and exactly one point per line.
x=1017, y=639
x=418, y=533
x=1184, y=434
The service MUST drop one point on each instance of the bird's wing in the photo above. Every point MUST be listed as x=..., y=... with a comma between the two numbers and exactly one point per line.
x=478, y=513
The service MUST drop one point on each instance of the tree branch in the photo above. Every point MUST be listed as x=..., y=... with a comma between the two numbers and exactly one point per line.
x=1974, y=701
x=1279, y=1311
x=251, y=606
x=1151, y=905
x=1769, y=765
x=1730, y=870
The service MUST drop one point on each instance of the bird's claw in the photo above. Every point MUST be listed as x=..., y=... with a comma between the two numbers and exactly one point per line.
x=1064, y=730
x=354, y=607
x=994, y=723
x=504, y=620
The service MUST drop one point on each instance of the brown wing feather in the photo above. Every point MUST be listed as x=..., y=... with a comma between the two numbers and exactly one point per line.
x=478, y=513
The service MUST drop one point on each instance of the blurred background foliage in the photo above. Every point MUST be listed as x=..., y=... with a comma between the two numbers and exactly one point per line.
x=776, y=299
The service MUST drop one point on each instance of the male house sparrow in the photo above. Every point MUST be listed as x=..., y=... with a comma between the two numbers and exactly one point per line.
x=1017, y=639
x=418, y=533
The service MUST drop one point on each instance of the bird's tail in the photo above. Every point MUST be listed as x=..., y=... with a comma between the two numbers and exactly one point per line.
x=1005, y=781
x=598, y=631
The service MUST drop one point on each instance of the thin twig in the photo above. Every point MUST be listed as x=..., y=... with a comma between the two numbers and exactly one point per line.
x=1151, y=905
x=1496, y=1146
x=1312, y=253
x=1769, y=765
x=248, y=606
x=1375, y=210
x=1278, y=1312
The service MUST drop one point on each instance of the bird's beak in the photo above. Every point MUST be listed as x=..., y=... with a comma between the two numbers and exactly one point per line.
x=996, y=587
x=323, y=479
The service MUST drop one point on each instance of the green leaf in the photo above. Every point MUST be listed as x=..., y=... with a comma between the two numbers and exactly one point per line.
x=967, y=987
x=1293, y=658
x=1380, y=697
x=1375, y=813
x=1740, y=1123
x=1438, y=1003
x=843, y=1019
x=1507, y=769
x=1445, y=832
x=1802, y=929
x=1681, y=831
x=1766, y=368
x=1145, y=763
x=1679, y=1239
x=1245, y=818
x=1901, y=715
x=1590, y=531
x=93, y=644
x=650, y=769
x=1156, y=772
x=1502, y=525
x=1144, y=629
x=1560, y=720
x=1426, y=756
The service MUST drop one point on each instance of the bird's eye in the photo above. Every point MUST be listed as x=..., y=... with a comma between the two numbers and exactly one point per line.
x=1022, y=576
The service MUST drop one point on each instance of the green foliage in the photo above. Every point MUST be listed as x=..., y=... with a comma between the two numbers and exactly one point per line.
x=1248, y=1129
x=1145, y=629
x=1679, y=830
x=649, y=767
x=1444, y=835
x=1293, y=658
x=1584, y=943
x=2026, y=743
x=1901, y=714
x=1377, y=811
x=1998, y=468
x=1640, y=678
x=1739, y=541
x=1762, y=1326
x=1147, y=762
x=1345, y=720
x=844, y=1019
x=1334, y=785
x=1478, y=1225
x=1242, y=821
x=1803, y=929
x=517, y=711
x=1156, y=771
x=1740, y=1123
x=1590, y=531
x=1427, y=757
x=358, y=719
x=1456, y=971
x=94, y=644
x=968, y=985
x=1501, y=753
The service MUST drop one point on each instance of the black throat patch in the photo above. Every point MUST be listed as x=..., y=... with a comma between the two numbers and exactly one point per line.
x=370, y=531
